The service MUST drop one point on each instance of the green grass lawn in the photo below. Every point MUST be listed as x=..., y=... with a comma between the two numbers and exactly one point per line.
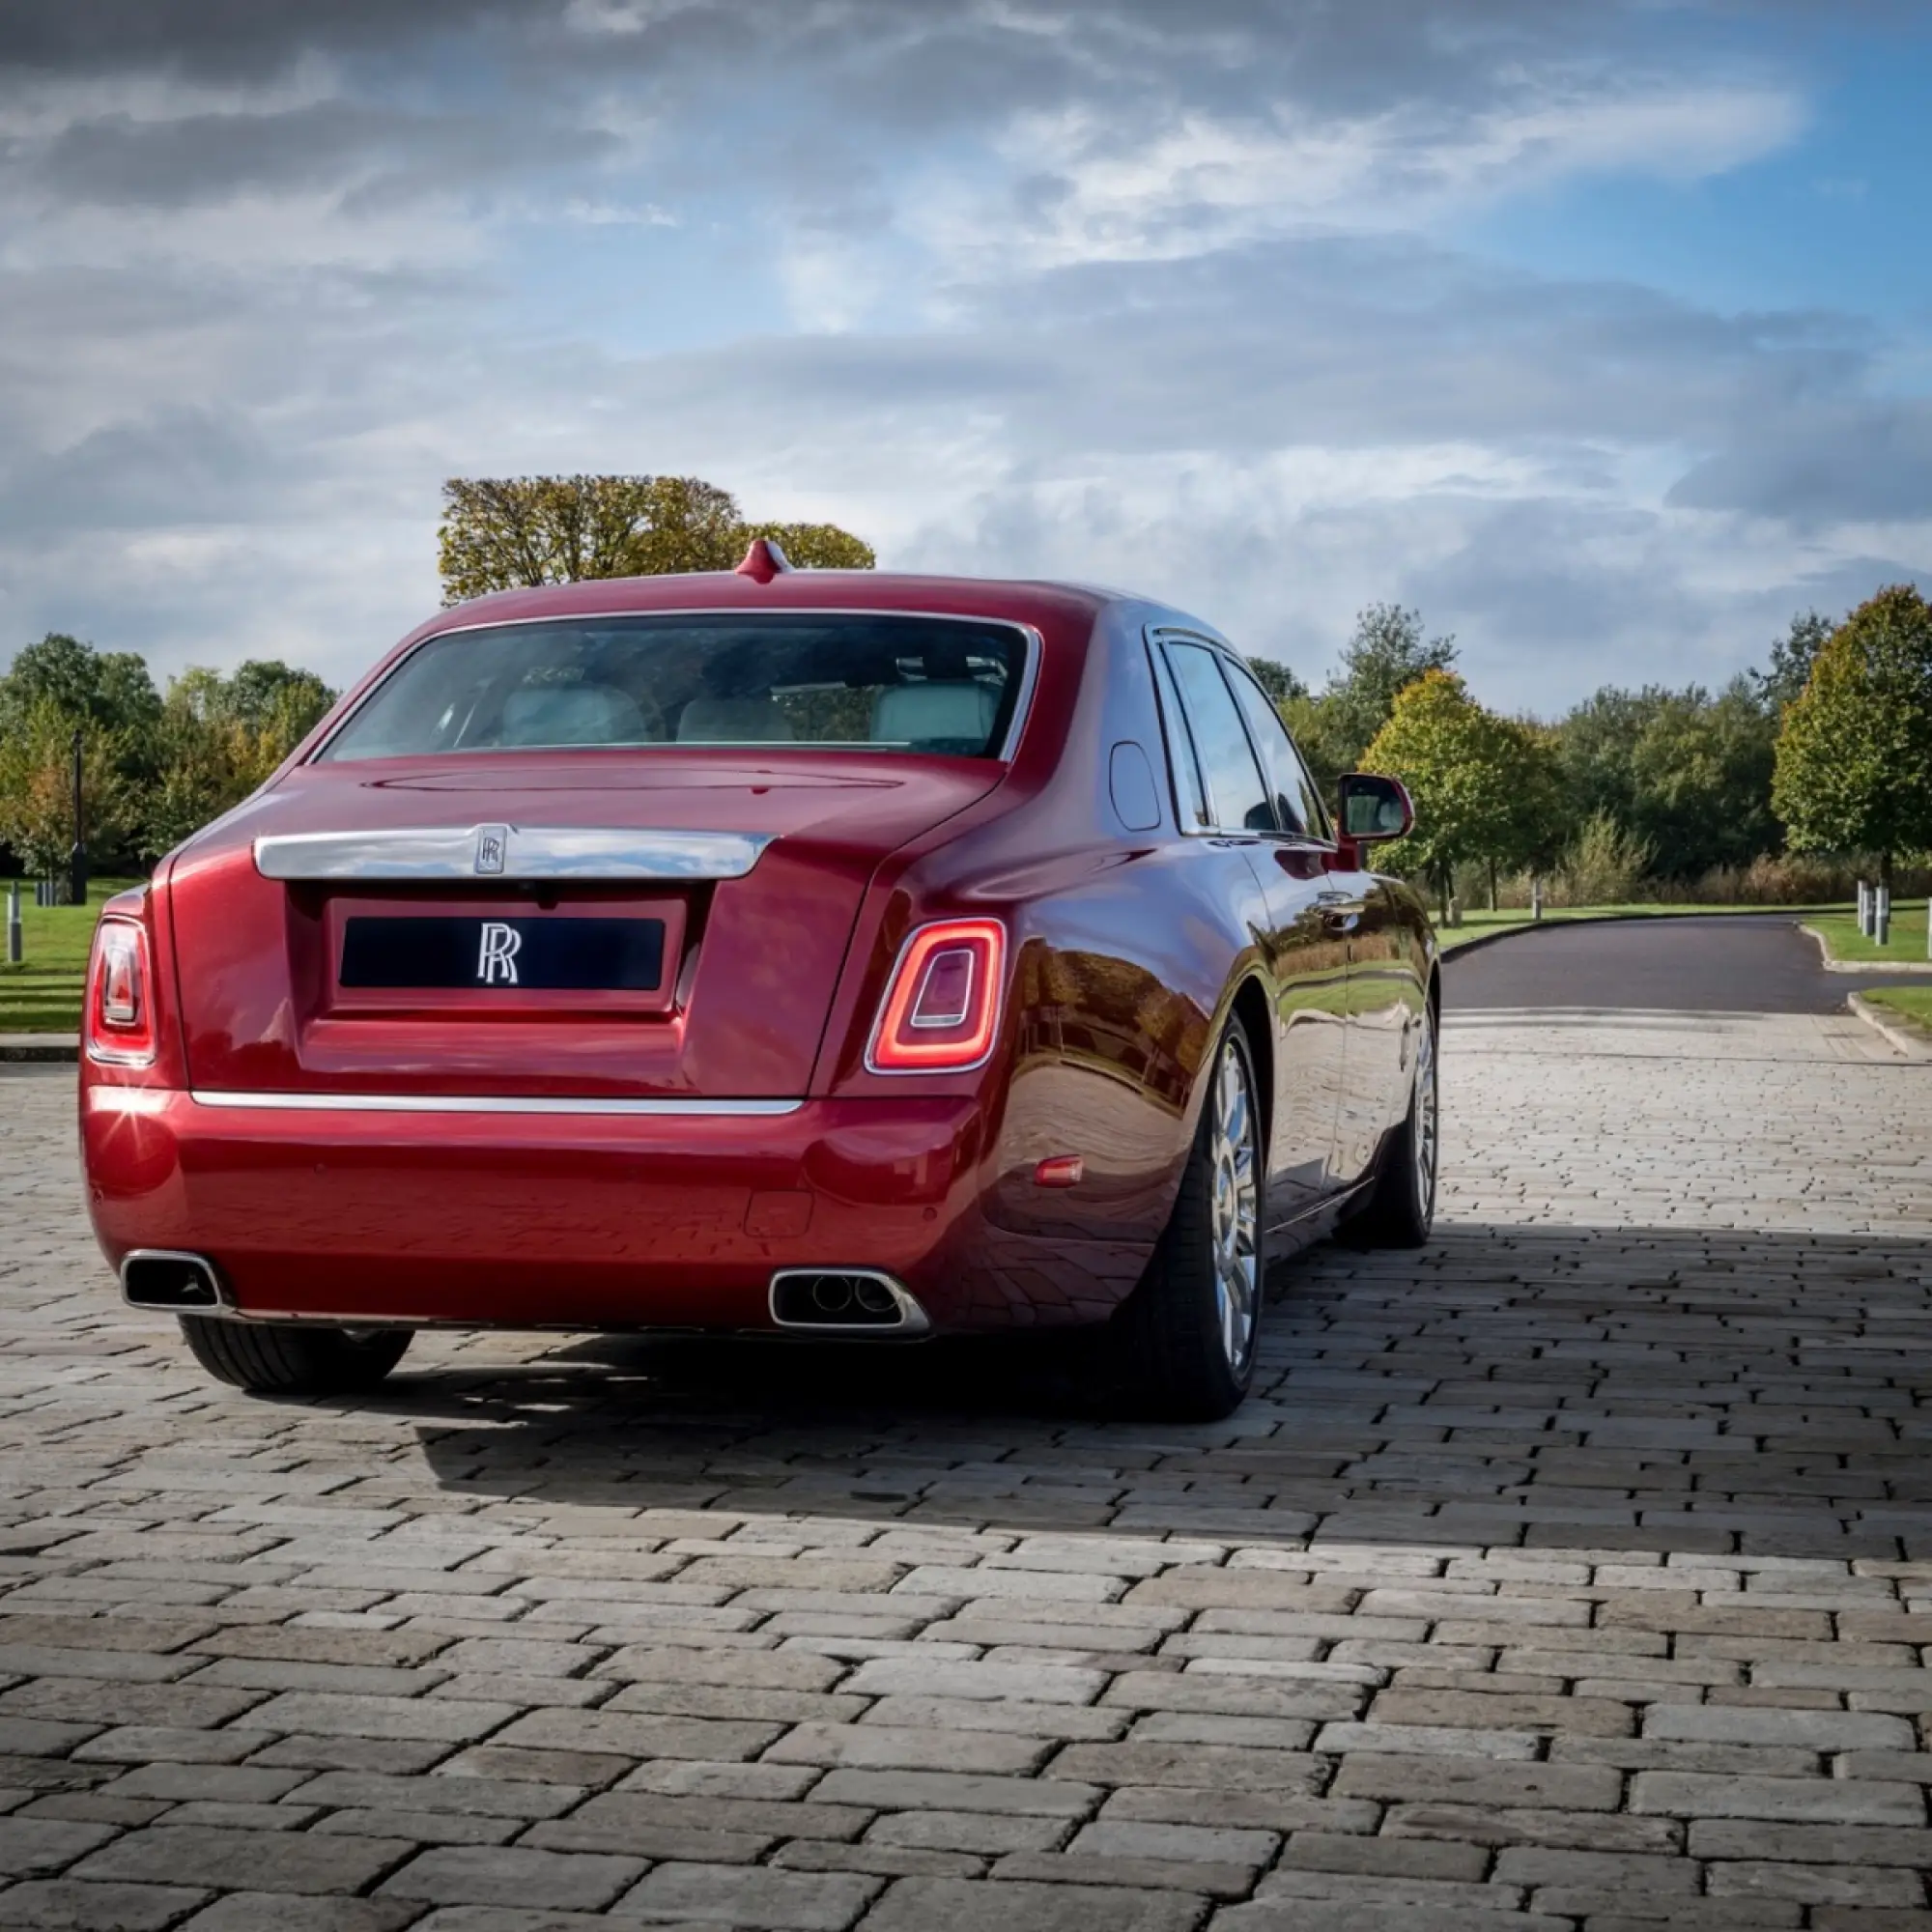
x=1908, y=935
x=43, y=993
x=1478, y=925
x=1913, y=1004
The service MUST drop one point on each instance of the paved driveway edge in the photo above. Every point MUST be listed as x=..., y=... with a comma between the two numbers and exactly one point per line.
x=1910, y=1041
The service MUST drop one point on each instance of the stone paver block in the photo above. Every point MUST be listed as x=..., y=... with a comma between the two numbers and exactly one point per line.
x=514, y=1875
x=32, y=1846
x=921, y=1905
x=761, y=1898
x=273, y=1912
x=243, y=1861
x=73, y=1905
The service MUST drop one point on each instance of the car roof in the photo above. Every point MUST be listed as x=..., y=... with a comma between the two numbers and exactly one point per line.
x=1011, y=600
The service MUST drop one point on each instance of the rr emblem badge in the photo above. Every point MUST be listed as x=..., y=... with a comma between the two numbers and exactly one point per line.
x=497, y=956
x=493, y=842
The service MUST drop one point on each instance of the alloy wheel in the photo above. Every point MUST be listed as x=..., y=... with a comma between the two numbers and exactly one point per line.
x=1235, y=1207
x=1424, y=1135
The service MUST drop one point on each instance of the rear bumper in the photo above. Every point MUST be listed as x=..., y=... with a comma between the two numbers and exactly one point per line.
x=524, y=1219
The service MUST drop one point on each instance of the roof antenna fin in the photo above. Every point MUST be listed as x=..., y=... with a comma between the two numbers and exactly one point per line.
x=763, y=561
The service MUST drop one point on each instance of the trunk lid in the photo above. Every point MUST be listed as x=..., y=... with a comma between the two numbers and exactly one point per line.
x=388, y=963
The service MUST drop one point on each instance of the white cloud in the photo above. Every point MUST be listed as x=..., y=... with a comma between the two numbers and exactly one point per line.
x=1102, y=299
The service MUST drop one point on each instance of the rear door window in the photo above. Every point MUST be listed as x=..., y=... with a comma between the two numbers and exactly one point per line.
x=1240, y=798
x=1296, y=803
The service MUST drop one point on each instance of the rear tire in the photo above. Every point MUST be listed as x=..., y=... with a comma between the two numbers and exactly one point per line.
x=1184, y=1342
x=1401, y=1209
x=282, y=1358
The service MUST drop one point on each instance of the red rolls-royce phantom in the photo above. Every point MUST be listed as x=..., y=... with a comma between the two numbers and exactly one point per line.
x=856, y=954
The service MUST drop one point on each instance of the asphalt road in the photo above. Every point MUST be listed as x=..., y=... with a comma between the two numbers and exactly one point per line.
x=1727, y=963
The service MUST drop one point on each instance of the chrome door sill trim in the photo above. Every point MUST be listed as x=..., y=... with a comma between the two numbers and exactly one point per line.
x=509, y=853
x=490, y=1103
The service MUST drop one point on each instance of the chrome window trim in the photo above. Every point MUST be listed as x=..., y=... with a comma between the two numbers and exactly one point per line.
x=1022, y=699
x=488, y=1104
x=1177, y=741
x=530, y=853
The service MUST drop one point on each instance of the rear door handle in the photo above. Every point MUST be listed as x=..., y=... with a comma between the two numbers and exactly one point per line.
x=1339, y=913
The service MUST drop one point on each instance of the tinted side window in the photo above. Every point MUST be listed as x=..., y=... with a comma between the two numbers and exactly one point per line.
x=1296, y=803
x=1240, y=799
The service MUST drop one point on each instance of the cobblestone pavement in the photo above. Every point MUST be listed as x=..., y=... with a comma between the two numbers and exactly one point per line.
x=1576, y=1573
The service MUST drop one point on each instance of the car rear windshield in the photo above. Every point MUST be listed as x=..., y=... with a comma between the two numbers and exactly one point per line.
x=883, y=682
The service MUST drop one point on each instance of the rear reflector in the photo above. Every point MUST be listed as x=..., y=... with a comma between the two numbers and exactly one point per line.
x=120, y=996
x=942, y=1009
x=1060, y=1170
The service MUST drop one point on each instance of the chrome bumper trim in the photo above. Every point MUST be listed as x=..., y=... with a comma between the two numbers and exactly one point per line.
x=509, y=852
x=490, y=1103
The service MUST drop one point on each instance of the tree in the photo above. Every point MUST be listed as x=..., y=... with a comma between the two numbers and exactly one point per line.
x=1483, y=785
x=1702, y=771
x=275, y=699
x=809, y=545
x=1596, y=752
x=503, y=533
x=1854, y=762
x=108, y=689
x=1326, y=742
x=1385, y=654
x=1791, y=657
x=37, y=786
x=1680, y=772
x=218, y=738
x=1276, y=679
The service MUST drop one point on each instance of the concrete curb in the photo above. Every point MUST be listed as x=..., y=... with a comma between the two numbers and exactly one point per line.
x=1910, y=1041
x=39, y=1047
x=1890, y=968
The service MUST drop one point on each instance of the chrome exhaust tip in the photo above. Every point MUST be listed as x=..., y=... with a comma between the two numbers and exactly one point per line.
x=844, y=1301
x=172, y=1282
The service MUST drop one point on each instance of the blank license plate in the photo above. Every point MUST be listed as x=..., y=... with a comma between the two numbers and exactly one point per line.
x=535, y=953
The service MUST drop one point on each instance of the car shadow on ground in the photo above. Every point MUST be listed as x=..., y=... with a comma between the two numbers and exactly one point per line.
x=1671, y=1389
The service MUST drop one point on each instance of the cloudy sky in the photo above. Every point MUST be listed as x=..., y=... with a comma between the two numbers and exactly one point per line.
x=1601, y=332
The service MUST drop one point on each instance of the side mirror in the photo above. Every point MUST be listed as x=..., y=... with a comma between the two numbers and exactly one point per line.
x=1374, y=808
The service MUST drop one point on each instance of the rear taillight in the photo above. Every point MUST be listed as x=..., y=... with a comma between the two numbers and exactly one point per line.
x=942, y=1008
x=121, y=996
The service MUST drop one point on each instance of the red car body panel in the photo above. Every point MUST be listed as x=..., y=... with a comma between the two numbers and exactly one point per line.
x=255, y=1137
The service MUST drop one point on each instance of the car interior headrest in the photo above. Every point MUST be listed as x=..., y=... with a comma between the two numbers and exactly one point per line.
x=733, y=721
x=573, y=714
x=948, y=715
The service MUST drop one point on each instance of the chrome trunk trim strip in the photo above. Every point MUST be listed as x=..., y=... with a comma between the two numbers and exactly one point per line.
x=509, y=852
x=490, y=1103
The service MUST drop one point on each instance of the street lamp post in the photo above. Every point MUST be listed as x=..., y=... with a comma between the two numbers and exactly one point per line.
x=78, y=857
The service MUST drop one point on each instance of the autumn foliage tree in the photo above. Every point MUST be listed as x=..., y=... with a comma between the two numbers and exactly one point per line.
x=1483, y=785
x=37, y=786
x=1854, y=770
x=505, y=534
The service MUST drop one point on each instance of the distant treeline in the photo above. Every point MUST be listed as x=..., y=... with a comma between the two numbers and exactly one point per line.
x=153, y=767
x=1771, y=788
x=1776, y=787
